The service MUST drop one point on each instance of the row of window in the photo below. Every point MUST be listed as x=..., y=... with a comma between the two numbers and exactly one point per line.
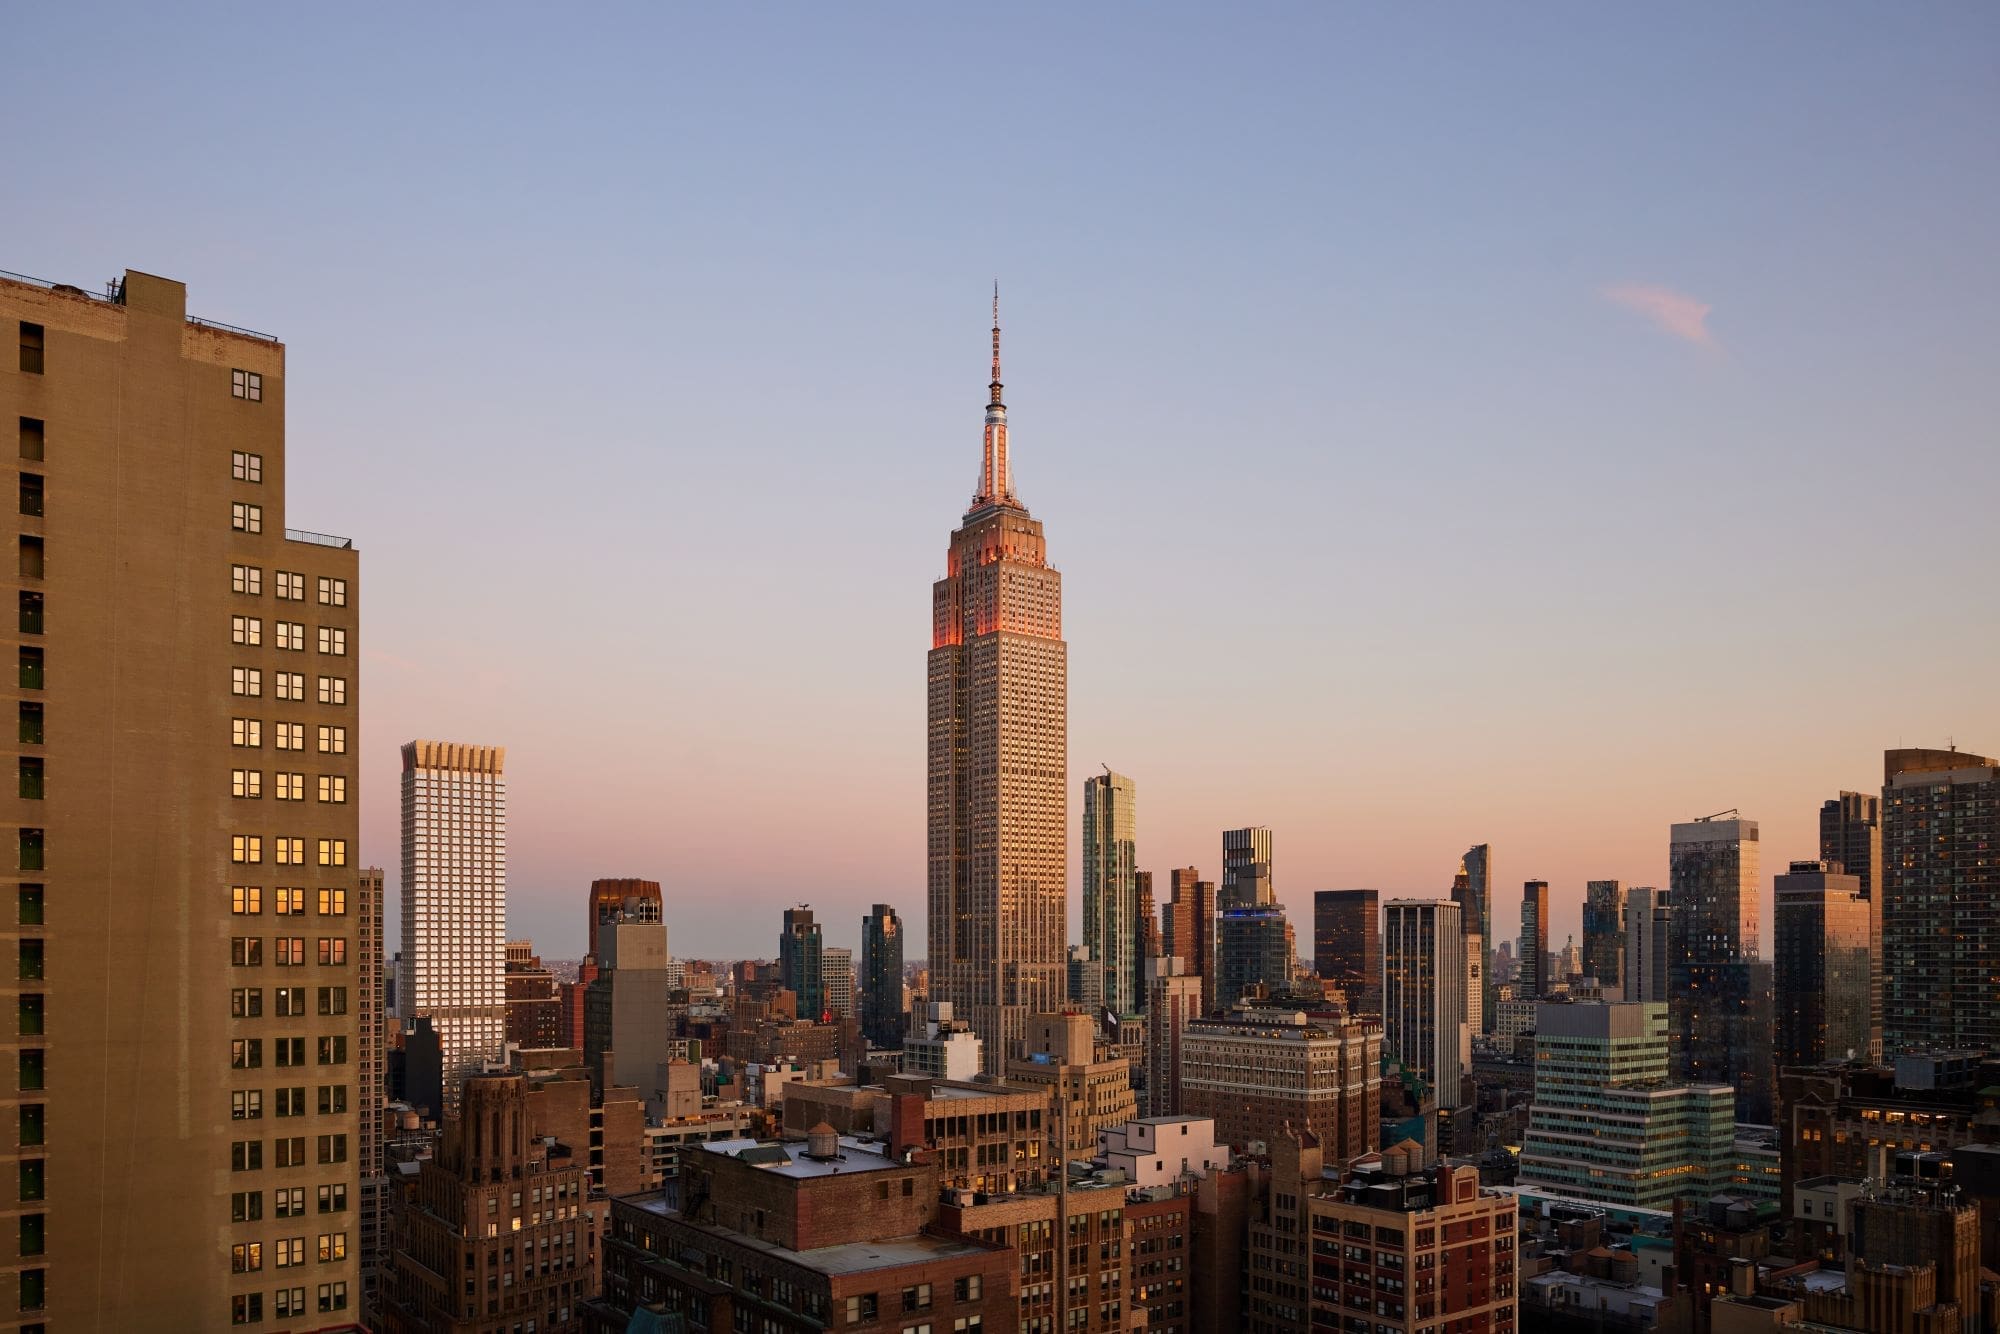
x=248, y=1257
x=247, y=1155
x=249, y=785
x=290, y=1002
x=248, y=850
x=286, y=1054
x=248, y=1308
x=286, y=951
x=247, y=1206
x=287, y=585
x=286, y=901
x=291, y=636
x=249, y=682
x=30, y=1117
x=249, y=733
x=248, y=1104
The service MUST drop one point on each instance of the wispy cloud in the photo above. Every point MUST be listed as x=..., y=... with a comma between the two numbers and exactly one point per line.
x=1677, y=313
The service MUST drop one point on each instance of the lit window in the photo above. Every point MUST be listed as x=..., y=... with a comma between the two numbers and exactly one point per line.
x=246, y=681
x=246, y=467
x=246, y=732
x=287, y=901
x=290, y=587
x=245, y=899
x=291, y=736
x=246, y=579
x=292, y=636
x=246, y=849
x=333, y=641
x=246, y=1257
x=333, y=740
x=247, y=385
x=332, y=788
x=332, y=1247
x=333, y=852
x=290, y=851
x=333, y=903
x=332, y=592
x=246, y=1105
x=290, y=685
x=333, y=690
x=245, y=518
x=291, y=951
x=247, y=783
x=246, y=629
x=291, y=1251
x=332, y=953
x=291, y=787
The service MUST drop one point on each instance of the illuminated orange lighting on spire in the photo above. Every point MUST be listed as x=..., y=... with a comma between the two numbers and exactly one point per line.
x=996, y=475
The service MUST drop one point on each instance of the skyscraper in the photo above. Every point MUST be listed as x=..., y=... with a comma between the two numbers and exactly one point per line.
x=1531, y=983
x=1711, y=989
x=1604, y=936
x=1940, y=901
x=836, y=971
x=186, y=665
x=627, y=1030
x=1253, y=941
x=1347, y=946
x=998, y=761
x=1648, y=933
x=1190, y=926
x=1821, y=965
x=1145, y=932
x=1424, y=979
x=371, y=1070
x=1850, y=836
x=608, y=898
x=1110, y=892
x=799, y=962
x=881, y=1000
x=1474, y=896
x=1173, y=998
x=453, y=965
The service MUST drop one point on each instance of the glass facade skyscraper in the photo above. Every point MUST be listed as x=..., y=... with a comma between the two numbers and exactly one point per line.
x=1110, y=887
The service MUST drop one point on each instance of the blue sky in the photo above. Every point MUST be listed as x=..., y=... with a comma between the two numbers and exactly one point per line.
x=1458, y=423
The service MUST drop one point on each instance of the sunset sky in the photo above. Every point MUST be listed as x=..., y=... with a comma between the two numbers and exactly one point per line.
x=1528, y=424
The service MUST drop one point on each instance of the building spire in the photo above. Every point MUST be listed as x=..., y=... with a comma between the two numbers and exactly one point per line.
x=996, y=473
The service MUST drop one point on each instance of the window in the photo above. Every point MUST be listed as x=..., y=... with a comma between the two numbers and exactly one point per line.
x=34, y=433
x=31, y=671
x=289, y=851
x=246, y=681
x=332, y=1247
x=246, y=732
x=332, y=1102
x=246, y=783
x=332, y=951
x=333, y=1198
x=291, y=587
x=291, y=1251
x=292, y=1153
x=31, y=348
x=31, y=724
x=248, y=385
x=29, y=849
x=32, y=772
x=333, y=1296
x=332, y=592
x=246, y=1003
x=246, y=1257
x=332, y=788
x=864, y=1307
x=333, y=641
x=967, y=1289
x=333, y=852
x=292, y=636
x=291, y=787
x=246, y=1105
x=332, y=740
x=31, y=613
x=289, y=1302
x=291, y=951
x=333, y=1051
x=33, y=564
x=290, y=1052
x=246, y=951
x=246, y=900
x=246, y=518
x=246, y=467
x=31, y=494
x=290, y=685
x=333, y=690
x=292, y=1199
x=291, y=1102
x=246, y=1308
x=333, y=903
x=288, y=901
x=291, y=736
x=246, y=1155
x=333, y=1148
x=32, y=1123
x=291, y=1002
x=246, y=629
x=246, y=1206
x=246, y=849
x=917, y=1298
x=246, y=1053
x=31, y=1072
x=247, y=579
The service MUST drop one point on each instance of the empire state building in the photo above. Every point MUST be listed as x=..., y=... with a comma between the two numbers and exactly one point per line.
x=999, y=759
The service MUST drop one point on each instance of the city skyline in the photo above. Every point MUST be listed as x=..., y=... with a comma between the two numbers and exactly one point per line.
x=1489, y=345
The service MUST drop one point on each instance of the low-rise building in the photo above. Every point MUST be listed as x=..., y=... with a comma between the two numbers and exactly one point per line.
x=1162, y=1150
x=1060, y=1054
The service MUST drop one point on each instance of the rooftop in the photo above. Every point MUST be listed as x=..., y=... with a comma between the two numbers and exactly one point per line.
x=856, y=1155
x=114, y=295
x=853, y=1258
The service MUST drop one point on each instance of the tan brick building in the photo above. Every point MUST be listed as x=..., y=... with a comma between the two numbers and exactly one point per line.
x=181, y=842
x=1258, y=1071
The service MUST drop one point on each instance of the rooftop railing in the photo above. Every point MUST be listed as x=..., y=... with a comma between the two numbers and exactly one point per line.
x=114, y=295
x=318, y=539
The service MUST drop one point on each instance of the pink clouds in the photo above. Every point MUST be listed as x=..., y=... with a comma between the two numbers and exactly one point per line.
x=1675, y=312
